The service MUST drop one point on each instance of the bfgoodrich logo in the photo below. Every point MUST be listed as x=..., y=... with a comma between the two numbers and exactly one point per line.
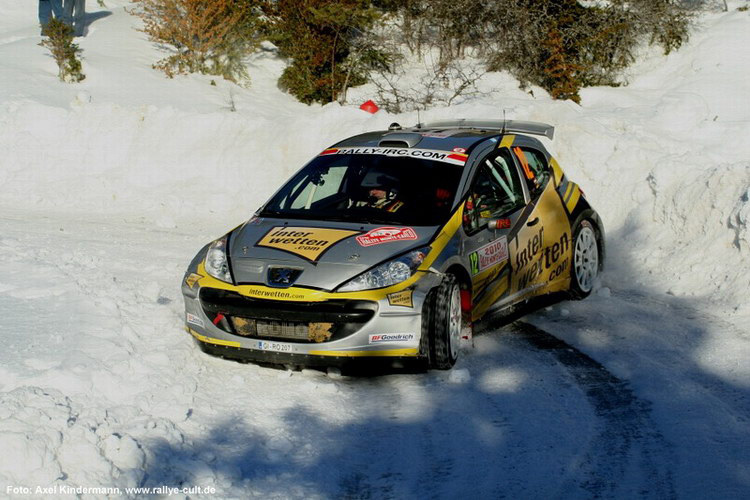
x=391, y=337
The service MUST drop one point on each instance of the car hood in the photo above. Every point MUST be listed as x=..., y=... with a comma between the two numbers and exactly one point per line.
x=319, y=254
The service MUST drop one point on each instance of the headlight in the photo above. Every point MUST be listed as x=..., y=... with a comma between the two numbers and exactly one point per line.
x=387, y=274
x=217, y=264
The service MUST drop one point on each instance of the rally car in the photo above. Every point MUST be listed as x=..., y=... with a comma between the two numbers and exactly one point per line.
x=392, y=244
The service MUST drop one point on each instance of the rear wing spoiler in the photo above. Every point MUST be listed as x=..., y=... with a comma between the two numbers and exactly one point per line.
x=510, y=126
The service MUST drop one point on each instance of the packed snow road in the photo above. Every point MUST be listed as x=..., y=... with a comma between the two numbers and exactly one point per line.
x=101, y=387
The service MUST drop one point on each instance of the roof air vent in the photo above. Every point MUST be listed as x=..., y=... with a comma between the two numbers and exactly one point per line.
x=400, y=140
x=394, y=126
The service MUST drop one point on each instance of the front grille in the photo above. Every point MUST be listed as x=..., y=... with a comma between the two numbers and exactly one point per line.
x=306, y=322
x=289, y=330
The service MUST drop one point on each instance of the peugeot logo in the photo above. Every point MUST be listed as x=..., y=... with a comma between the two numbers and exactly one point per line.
x=282, y=276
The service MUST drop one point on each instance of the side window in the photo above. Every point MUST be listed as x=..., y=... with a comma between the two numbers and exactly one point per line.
x=495, y=192
x=534, y=166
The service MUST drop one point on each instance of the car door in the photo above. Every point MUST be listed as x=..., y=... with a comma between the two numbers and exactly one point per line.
x=540, y=250
x=496, y=194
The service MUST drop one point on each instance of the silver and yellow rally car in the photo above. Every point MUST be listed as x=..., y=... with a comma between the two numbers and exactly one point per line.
x=392, y=244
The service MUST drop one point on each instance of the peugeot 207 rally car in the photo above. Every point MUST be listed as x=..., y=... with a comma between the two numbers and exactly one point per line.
x=391, y=243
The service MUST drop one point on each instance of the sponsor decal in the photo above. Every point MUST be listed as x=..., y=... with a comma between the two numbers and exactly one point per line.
x=403, y=298
x=195, y=320
x=386, y=235
x=459, y=150
x=307, y=242
x=489, y=255
x=192, y=279
x=547, y=258
x=426, y=154
x=273, y=294
x=485, y=214
x=557, y=272
x=391, y=337
x=533, y=246
x=459, y=157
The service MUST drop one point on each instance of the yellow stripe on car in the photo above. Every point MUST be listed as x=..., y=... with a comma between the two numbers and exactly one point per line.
x=298, y=294
x=446, y=234
x=567, y=190
x=507, y=141
x=571, y=203
x=211, y=340
x=391, y=352
x=497, y=290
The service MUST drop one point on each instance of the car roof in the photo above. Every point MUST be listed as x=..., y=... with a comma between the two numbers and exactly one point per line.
x=448, y=135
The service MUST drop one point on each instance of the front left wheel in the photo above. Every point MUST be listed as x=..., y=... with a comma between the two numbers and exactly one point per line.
x=441, y=324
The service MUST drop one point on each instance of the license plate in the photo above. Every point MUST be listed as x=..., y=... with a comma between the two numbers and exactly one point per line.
x=274, y=346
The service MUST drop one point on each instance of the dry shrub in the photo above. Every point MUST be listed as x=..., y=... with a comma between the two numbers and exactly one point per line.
x=205, y=36
x=560, y=45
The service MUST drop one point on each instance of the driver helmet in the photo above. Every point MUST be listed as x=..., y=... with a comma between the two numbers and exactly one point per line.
x=379, y=180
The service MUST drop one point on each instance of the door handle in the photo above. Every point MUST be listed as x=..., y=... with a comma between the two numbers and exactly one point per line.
x=533, y=222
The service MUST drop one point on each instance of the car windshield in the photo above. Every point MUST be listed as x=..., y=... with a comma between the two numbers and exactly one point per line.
x=367, y=188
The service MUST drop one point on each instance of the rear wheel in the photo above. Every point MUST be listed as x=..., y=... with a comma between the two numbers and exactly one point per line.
x=585, y=267
x=441, y=324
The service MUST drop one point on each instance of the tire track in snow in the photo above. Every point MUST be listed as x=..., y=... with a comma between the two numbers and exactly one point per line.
x=467, y=440
x=628, y=432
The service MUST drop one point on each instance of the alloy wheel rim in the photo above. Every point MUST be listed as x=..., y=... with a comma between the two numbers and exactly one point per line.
x=586, y=259
x=454, y=318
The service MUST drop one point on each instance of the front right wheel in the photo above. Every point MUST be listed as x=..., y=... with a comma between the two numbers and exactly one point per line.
x=441, y=324
x=585, y=266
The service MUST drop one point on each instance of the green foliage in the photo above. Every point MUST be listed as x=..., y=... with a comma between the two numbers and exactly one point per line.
x=331, y=45
x=59, y=40
x=327, y=44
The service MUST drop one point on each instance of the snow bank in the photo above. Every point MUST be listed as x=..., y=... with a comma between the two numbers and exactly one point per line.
x=153, y=161
x=660, y=158
x=116, y=384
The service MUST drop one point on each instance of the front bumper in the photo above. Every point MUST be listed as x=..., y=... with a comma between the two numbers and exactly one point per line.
x=234, y=322
x=290, y=359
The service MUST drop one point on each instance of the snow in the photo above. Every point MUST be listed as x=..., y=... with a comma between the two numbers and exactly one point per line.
x=110, y=186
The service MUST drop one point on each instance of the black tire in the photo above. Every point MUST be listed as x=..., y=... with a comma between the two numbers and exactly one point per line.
x=440, y=340
x=585, y=262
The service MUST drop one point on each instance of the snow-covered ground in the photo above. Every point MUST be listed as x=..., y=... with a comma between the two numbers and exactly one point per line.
x=109, y=187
